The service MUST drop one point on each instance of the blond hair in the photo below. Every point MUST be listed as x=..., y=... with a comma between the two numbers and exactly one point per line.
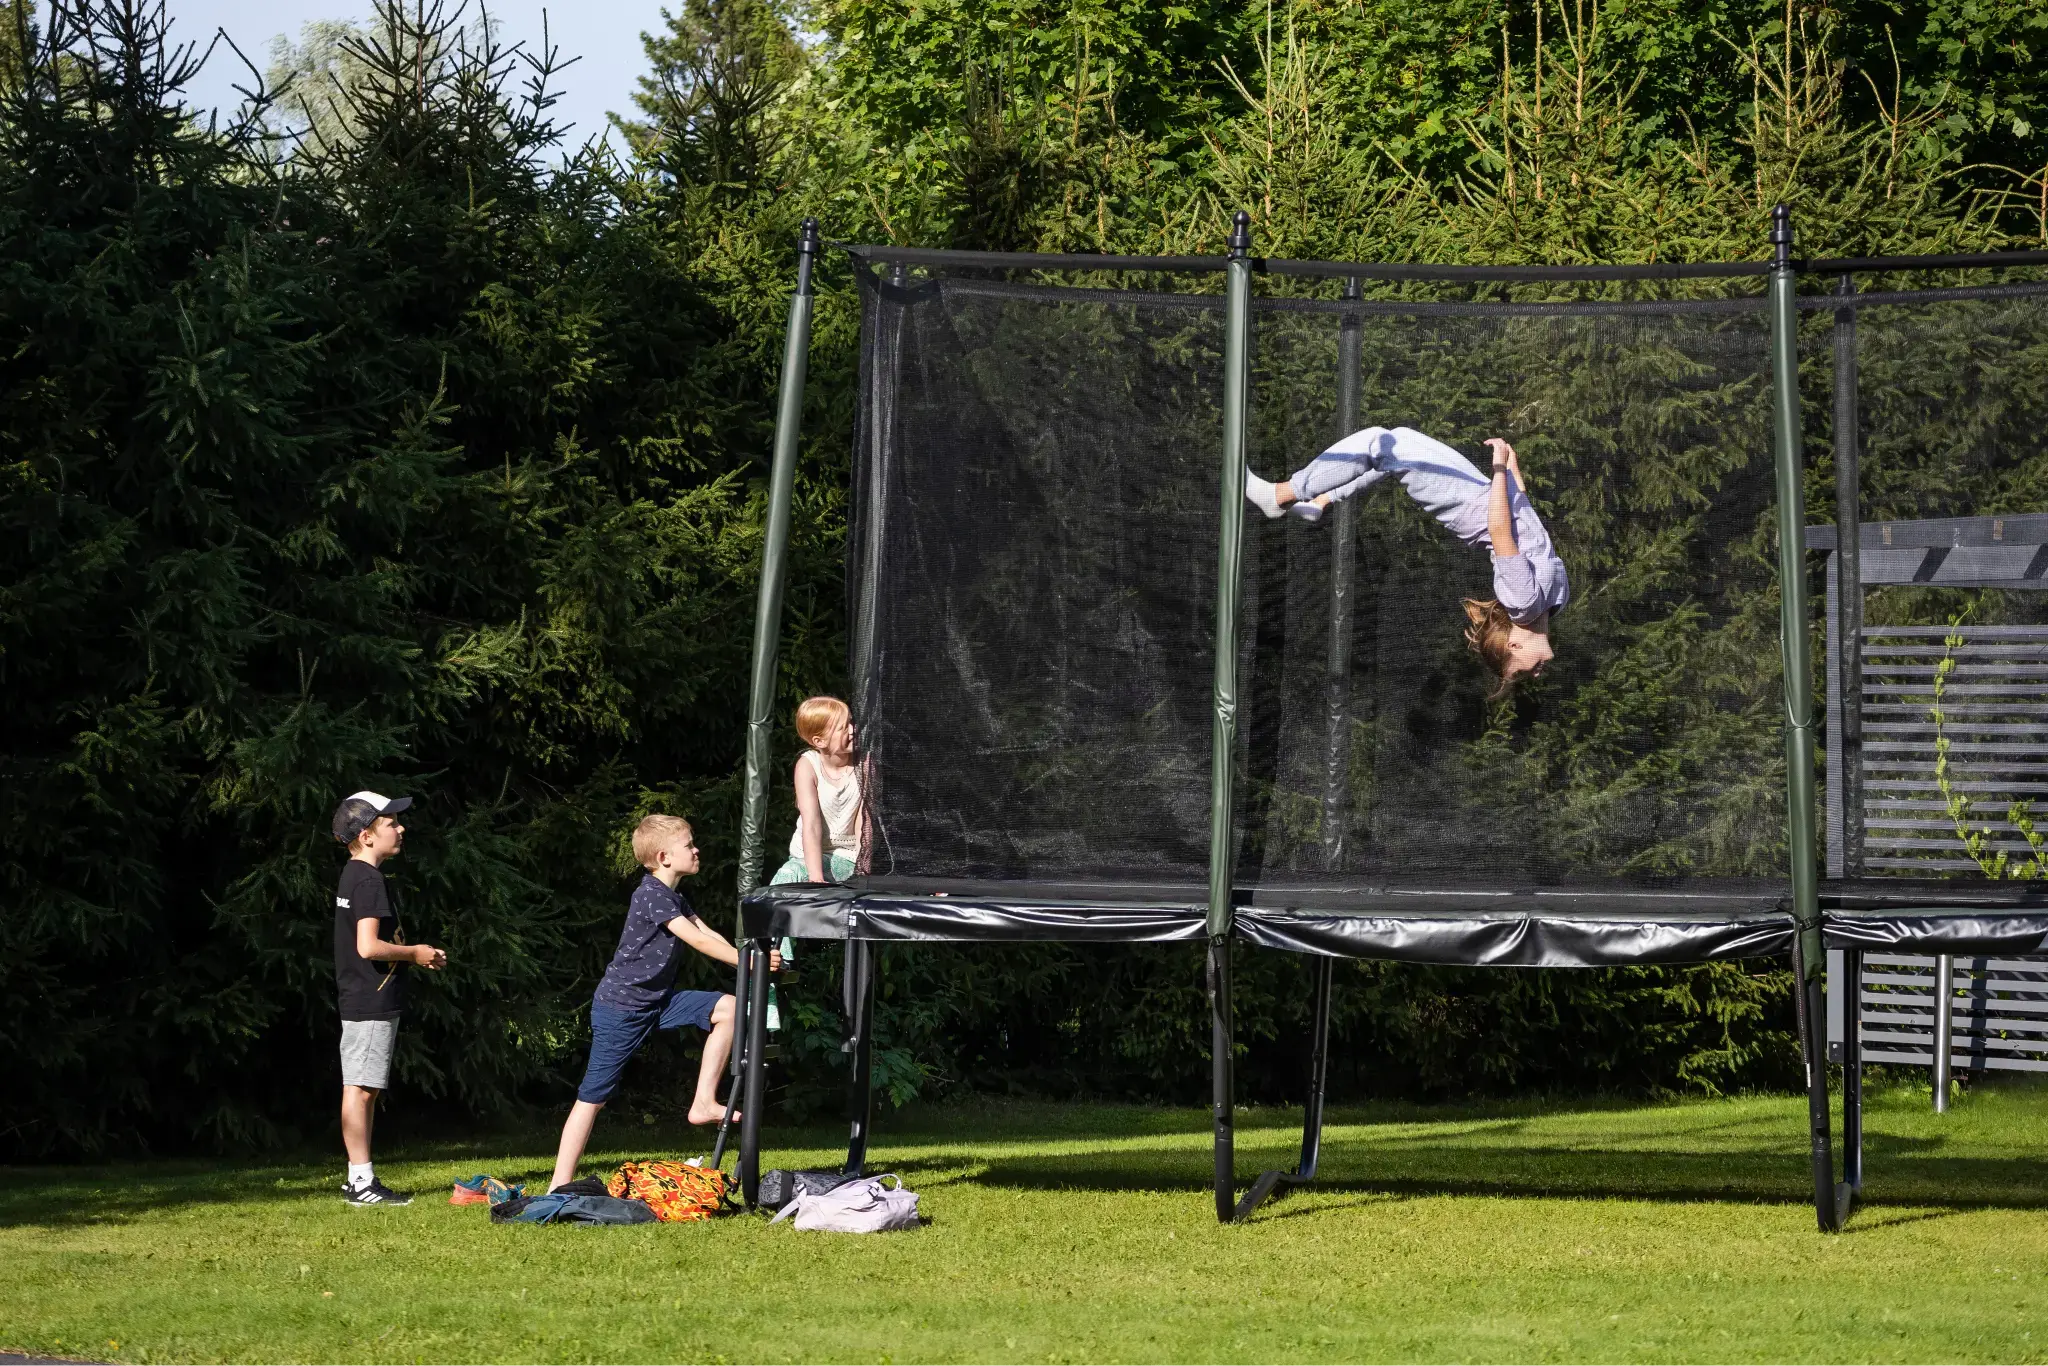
x=1487, y=637
x=817, y=715
x=652, y=835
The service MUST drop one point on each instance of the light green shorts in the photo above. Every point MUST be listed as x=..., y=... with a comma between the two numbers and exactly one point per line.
x=840, y=868
x=837, y=866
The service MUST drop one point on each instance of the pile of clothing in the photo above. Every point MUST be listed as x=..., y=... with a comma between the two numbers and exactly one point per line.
x=637, y=1193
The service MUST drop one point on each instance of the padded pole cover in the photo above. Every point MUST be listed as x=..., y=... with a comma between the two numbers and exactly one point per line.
x=1223, y=733
x=789, y=416
x=1793, y=632
x=1237, y=331
x=1793, y=640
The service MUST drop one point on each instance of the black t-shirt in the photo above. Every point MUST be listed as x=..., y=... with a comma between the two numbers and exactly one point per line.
x=369, y=990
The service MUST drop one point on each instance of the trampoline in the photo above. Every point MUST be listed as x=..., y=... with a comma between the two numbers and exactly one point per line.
x=1049, y=538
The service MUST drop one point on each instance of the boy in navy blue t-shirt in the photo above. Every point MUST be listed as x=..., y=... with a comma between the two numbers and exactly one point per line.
x=638, y=994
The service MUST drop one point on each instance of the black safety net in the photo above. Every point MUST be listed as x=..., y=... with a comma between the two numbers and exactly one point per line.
x=1928, y=429
x=1033, y=578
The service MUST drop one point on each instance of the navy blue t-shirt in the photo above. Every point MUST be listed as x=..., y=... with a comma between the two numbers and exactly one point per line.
x=643, y=970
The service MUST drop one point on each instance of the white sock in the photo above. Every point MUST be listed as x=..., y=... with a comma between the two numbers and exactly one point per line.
x=361, y=1174
x=1261, y=495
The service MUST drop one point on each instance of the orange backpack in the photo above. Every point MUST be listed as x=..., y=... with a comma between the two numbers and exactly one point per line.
x=676, y=1191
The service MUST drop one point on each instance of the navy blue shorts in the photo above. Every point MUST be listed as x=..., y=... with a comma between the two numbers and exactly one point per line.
x=616, y=1035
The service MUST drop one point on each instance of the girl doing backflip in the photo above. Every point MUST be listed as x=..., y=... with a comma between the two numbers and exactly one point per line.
x=1510, y=632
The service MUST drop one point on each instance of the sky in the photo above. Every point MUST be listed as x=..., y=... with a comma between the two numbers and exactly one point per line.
x=603, y=34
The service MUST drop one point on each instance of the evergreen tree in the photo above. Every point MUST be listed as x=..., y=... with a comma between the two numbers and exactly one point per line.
x=427, y=454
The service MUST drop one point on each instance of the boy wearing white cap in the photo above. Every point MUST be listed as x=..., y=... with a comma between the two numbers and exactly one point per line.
x=368, y=967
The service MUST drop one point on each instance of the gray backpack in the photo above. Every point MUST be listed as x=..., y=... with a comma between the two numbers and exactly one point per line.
x=780, y=1186
x=862, y=1205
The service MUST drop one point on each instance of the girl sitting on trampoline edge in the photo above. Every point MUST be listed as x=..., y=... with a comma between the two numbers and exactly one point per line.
x=826, y=844
x=1511, y=632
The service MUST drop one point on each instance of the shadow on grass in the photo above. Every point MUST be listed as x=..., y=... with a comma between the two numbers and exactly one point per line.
x=64, y=1196
x=1900, y=1172
x=1513, y=1149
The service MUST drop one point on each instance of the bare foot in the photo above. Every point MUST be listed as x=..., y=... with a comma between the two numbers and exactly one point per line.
x=702, y=1114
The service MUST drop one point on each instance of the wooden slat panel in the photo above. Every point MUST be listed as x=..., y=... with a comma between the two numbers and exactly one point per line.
x=1978, y=1026
x=1923, y=984
x=1918, y=785
x=1956, y=709
x=1961, y=1061
x=1954, y=725
x=1977, y=1043
x=2017, y=965
x=1930, y=803
x=1949, y=844
x=1977, y=769
x=1993, y=824
x=2010, y=650
x=1953, y=690
x=1967, y=632
x=1958, y=746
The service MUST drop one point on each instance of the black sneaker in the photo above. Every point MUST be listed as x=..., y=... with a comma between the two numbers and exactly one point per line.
x=376, y=1193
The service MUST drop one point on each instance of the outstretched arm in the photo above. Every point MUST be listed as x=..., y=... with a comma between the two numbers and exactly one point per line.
x=712, y=944
x=1500, y=512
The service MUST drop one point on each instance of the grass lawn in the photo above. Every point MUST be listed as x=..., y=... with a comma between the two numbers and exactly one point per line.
x=1513, y=1232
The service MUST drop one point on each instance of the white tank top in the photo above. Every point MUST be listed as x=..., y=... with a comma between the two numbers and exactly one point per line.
x=840, y=801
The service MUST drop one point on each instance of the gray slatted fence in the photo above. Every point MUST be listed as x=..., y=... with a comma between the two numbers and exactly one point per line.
x=1886, y=813
x=1998, y=1011
x=1995, y=717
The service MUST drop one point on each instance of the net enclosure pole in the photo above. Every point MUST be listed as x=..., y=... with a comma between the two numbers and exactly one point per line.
x=1223, y=726
x=1849, y=567
x=1337, y=740
x=1336, y=770
x=789, y=416
x=750, y=987
x=1795, y=644
x=1343, y=544
x=1845, y=847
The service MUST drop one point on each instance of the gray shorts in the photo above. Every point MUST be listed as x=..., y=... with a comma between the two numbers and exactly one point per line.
x=366, y=1052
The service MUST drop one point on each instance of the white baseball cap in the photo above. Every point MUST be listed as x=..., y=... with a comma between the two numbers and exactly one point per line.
x=359, y=811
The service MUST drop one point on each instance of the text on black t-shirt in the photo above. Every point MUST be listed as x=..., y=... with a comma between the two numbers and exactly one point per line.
x=369, y=990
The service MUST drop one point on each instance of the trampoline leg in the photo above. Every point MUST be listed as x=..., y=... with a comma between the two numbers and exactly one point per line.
x=1808, y=1007
x=1312, y=1109
x=754, y=1020
x=736, y=1064
x=1318, y=1074
x=1852, y=1071
x=1221, y=1073
x=860, y=1092
x=1944, y=1028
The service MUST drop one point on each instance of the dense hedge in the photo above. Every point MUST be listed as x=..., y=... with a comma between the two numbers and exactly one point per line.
x=421, y=454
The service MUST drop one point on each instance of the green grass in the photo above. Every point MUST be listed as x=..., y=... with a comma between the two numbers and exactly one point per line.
x=1532, y=1231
